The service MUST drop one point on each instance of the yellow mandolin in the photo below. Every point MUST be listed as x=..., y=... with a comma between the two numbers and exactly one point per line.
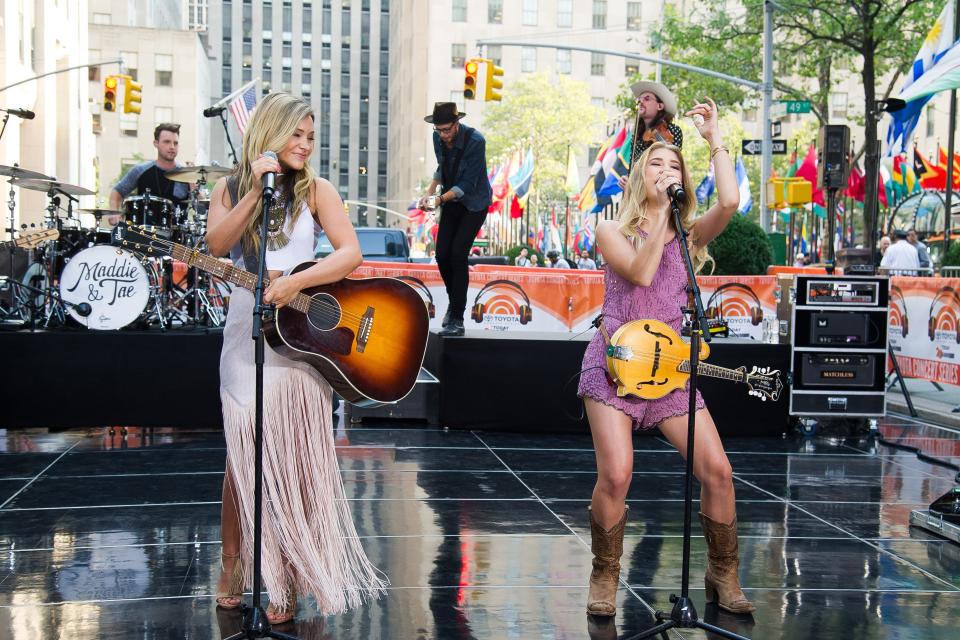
x=647, y=359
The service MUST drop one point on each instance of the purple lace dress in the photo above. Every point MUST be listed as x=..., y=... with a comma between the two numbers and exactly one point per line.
x=623, y=302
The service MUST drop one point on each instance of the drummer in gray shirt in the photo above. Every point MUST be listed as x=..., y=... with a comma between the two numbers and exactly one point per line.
x=152, y=175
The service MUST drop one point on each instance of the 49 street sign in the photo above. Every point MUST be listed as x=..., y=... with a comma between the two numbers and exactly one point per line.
x=753, y=147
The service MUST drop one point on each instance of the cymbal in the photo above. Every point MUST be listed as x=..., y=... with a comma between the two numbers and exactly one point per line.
x=22, y=174
x=198, y=173
x=102, y=212
x=53, y=185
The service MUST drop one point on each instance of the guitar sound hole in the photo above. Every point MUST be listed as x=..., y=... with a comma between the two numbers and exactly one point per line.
x=324, y=313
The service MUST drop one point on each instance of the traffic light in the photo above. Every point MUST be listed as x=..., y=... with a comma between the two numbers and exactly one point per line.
x=470, y=71
x=110, y=93
x=493, y=84
x=131, y=95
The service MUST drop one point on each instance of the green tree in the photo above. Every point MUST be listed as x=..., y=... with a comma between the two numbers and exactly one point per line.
x=550, y=114
x=874, y=36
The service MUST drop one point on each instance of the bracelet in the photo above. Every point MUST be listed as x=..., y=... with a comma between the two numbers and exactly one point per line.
x=717, y=150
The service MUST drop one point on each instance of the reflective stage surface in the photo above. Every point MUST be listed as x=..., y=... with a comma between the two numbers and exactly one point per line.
x=482, y=535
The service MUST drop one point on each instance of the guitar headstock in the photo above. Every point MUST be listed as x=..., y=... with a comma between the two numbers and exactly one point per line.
x=139, y=240
x=33, y=239
x=764, y=383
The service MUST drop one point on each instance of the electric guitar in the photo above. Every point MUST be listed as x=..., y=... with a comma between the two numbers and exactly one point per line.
x=367, y=337
x=31, y=239
x=647, y=359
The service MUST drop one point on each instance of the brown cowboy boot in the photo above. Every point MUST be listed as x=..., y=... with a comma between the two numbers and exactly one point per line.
x=723, y=560
x=607, y=548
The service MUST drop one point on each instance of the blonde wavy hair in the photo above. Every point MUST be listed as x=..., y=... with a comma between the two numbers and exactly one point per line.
x=633, y=208
x=273, y=123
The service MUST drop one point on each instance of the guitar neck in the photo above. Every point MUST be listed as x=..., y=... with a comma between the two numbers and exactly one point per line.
x=228, y=272
x=714, y=371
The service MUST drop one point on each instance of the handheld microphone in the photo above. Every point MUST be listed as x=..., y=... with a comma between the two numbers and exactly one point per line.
x=212, y=112
x=84, y=309
x=26, y=114
x=269, y=179
x=676, y=193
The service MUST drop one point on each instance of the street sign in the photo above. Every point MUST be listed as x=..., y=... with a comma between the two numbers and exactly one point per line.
x=753, y=147
x=778, y=110
x=797, y=106
x=750, y=147
x=775, y=129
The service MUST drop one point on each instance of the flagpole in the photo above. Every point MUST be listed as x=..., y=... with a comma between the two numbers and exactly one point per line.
x=948, y=204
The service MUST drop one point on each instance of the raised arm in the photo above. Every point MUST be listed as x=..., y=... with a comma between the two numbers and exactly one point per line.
x=709, y=226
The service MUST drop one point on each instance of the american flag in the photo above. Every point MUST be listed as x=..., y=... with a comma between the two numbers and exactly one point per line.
x=243, y=105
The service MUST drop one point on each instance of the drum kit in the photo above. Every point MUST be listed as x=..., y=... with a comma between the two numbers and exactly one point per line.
x=77, y=277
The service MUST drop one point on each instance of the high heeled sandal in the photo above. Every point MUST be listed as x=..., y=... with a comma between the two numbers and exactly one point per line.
x=233, y=596
x=276, y=616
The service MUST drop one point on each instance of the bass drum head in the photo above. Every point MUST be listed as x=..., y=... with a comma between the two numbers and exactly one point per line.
x=112, y=281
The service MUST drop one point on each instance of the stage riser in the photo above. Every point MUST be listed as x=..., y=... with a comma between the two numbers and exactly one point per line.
x=515, y=384
x=89, y=378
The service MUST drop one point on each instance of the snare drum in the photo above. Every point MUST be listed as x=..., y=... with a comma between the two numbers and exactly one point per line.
x=113, y=282
x=149, y=212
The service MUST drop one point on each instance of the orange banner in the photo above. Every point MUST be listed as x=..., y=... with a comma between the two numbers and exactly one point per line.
x=501, y=298
x=924, y=329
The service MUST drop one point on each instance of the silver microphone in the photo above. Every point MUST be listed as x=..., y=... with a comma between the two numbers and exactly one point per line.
x=269, y=179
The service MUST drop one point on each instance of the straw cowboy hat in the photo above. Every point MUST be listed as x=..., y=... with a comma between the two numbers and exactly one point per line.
x=663, y=94
x=444, y=113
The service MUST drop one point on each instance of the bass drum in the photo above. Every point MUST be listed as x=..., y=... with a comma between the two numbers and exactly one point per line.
x=113, y=282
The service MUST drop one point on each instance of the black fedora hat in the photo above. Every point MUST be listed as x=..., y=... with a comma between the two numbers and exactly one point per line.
x=444, y=113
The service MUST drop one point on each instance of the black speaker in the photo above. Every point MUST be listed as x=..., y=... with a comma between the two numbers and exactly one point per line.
x=834, y=141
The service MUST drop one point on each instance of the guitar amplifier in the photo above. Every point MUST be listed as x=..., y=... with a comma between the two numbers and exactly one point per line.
x=839, y=328
x=838, y=370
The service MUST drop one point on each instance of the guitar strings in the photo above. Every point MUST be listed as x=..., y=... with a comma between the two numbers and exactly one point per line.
x=315, y=307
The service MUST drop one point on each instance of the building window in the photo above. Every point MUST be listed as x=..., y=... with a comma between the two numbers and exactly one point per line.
x=563, y=61
x=458, y=55
x=599, y=103
x=529, y=13
x=631, y=68
x=457, y=96
x=130, y=63
x=227, y=20
x=598, y=64
x=163, y=114
x=564, y=13
x=633, y=16
x=163, y=66
x=459, y=10
x=101, y=18
x=495, y=11
x=528, y=59
x=599, y=14
x=93, y=73
x=750, y=115
x=930, y=117
x=495, y=53
x=838, y=105
x=128, y=125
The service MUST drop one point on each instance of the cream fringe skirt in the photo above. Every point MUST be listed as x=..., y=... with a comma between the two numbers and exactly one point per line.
x=309, y=543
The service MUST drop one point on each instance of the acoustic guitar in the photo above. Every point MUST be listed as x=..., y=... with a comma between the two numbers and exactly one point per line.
x=647, y=359
x=367, y=336
x=31, y=239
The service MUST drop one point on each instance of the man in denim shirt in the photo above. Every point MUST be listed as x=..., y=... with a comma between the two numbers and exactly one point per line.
x=465, y=197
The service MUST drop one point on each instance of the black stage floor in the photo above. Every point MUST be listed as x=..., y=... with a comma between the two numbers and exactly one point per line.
x=483, y=536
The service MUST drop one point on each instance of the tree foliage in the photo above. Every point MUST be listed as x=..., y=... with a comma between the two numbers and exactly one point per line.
x=550, y=114
x=742, y=249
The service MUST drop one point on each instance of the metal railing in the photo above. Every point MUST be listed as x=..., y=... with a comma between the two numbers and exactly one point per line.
x=891, y=271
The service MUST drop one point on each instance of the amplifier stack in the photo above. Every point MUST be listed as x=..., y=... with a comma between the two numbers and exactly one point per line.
x=839, y=346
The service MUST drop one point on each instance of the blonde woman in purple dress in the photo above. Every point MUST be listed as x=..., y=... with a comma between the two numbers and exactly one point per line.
x=645, y=278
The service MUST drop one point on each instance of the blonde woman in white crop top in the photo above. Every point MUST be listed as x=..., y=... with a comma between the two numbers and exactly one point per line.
x=310, y=545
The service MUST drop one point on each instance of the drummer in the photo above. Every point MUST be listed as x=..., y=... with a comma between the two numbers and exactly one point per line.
x=151, y=175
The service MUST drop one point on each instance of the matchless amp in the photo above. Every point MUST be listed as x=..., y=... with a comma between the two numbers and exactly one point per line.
x=839, y=370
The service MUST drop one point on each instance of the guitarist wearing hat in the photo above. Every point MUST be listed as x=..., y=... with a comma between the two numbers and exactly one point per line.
x=656, y=109
x=465, y=195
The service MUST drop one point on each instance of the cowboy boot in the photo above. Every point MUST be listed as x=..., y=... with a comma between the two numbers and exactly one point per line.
x=607, y=548
x=723, y=561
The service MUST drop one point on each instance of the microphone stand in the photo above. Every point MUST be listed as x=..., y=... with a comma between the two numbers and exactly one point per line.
x=255, y=623
x=684, y=614
x=218, y=110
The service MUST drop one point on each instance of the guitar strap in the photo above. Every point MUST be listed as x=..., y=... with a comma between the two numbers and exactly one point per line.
x=598, y=323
